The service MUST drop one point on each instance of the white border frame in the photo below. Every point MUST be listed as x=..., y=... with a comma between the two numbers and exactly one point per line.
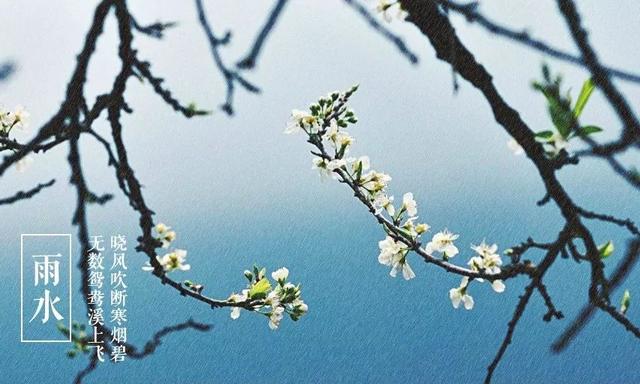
x=22, y=236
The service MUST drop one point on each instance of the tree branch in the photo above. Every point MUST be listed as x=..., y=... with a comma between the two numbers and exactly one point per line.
x=471, y=13
x=23, y=195
x=249, y=61
x=621, y=272
x=382, y=30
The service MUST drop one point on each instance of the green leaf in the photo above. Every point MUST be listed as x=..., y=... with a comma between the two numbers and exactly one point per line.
x=259, y=290
x=544, y=135
x=561, y=116
x=585, y=93
x=606, y=249
x=626, y=301
x=588, y=130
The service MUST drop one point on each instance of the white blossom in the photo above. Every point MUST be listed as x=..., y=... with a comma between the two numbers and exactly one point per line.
x=326, y=168
x=362, y=164
x=385, y=202
x=275, y=317
x=498, y=286
x=393, y=254
x=171, y=261
x=7, y=118
x=161, y=228
x=460, y=294
x=409, y=204
x=402, y=264
x=375, y=182
x=388, y=249
x=166, y=235
x=384, y=6
x=321, y=165
x=168, y=238
x=488, y=261
x=21, y=117
x=280, y=275
x=237, y=298
x=558, y=143
x=488, y=258
x=343, y=139
x=422, y=228
x=302, y=120
x=443, y=242
x=300, y=306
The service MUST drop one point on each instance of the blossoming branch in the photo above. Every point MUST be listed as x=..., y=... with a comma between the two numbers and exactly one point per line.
x=272, y=300
x=325, y=125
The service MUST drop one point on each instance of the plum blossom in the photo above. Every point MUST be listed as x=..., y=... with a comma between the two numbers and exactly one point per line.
x=488, y=258
x=237, y=298
x=488, y=261
x=498, y=286
x=338, y=139
x=370, y=186
x=361, y=164
x=394, y=254
x=301, y=120
x=272, y=301
x=460, y=294
x=326, y=167
x=276, y=316
x=443, y=242
x=165, y=235
x=409, y=204
x=21, y=117
x=280, y=275
x=422, y=228
x=385, y=202
x=171, y=261
x=374, y=183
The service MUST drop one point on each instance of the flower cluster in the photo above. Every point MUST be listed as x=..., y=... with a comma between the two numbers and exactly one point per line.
x=165, y=235
x=325, y=125
x=272, y=301
x=486, y=260
x=171, y=261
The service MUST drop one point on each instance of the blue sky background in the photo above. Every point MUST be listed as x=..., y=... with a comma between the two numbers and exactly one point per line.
x=238, y=191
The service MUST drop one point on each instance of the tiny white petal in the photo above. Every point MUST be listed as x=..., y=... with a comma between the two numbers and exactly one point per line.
x=498, y=286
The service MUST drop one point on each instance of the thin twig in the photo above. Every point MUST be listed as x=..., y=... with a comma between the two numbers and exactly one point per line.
x=23, y=195
x=250, y=60
x=382, y=30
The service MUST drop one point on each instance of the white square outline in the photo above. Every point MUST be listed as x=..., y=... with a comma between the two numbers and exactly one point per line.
x=22, y=236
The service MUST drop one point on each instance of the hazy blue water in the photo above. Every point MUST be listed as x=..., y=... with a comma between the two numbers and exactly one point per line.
x=238, y=192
